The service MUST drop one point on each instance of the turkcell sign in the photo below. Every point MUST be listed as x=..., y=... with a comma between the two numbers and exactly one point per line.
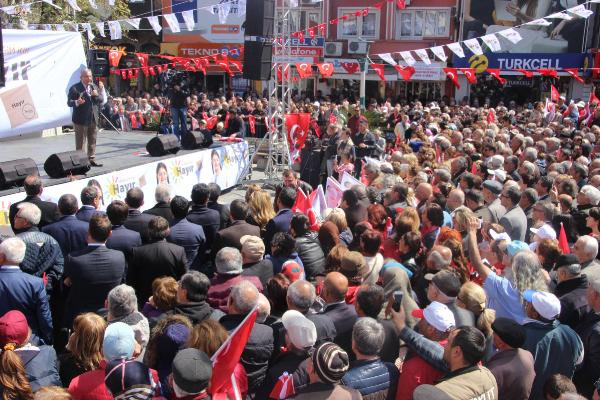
x=307, y=42
x=528, y=61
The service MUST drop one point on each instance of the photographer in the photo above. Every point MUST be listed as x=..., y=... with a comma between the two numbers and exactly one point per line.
x=179, y=99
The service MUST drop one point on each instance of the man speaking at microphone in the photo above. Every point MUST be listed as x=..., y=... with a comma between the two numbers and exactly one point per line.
x=85, y=98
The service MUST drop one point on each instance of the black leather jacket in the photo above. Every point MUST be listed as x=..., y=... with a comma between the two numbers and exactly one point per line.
x=311, y=254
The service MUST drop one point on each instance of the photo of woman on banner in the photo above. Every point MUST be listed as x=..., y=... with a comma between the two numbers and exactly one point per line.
x=162, y=174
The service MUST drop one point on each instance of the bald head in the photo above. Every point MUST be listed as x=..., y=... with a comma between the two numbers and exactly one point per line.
x=456, y=198
x=423, y=191
x=335, y=287
x=439, y=258
x=264, y=308
x=301, y=296
x=33, y=185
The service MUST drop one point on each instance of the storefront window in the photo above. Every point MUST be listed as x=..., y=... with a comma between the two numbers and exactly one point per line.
x=363, y=26
x=412, y=23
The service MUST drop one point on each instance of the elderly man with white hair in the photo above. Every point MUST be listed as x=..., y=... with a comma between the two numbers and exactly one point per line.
x=162, y=208
x=587, y=198
x=586, y=250
x=23, y=292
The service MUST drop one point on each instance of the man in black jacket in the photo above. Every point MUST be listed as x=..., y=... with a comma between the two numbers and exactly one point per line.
x=342, y=315
x=90, y=202
x=92, y=272
x=589, y=330
x=34, y=188
x=571, y=290
x=209, y=219
x=329, y=147
x=151, y=261
x=162, y=208
x=230, y=237
x=179, y=100
x=365, y=144
x=136, y=220
x=213, y=203
x=85, y=98
x=191, y=298
x=121, y=239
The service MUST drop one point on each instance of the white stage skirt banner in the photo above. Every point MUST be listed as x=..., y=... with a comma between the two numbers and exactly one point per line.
x=40, y=68
x=221, y=165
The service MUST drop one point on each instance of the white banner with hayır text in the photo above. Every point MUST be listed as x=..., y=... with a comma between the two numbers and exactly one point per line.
x=40, y=68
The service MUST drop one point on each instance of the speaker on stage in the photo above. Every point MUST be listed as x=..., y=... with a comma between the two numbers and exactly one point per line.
x=13, y=173
x=98, y=62
x=260, y=16
x=60, y=165
x=192, y=140
x=161, y=145
x=310, y=166
x=257, y=60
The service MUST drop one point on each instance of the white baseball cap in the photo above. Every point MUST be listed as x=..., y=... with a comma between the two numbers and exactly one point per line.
x=437, y=315
x=301, y=331
x=545, y=303
x=499, y=174
x=500, y=236
x=544, y=232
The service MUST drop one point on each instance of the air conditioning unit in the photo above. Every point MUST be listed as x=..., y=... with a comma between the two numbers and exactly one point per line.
x=357, y=47
x=333, y=49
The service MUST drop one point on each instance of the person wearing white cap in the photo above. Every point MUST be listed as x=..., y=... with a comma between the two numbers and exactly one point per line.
x=556, y=348
x=543, y=232
x=300, y=337
x=436, y=321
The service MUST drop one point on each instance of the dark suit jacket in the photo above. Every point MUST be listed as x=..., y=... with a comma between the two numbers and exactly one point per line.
x=85, y=213
x=124, y=240
x=49, y=211
x=93, y=271
x=230, y=237
x=152, y=261
x=26, y=293
x=89, y=111
x=343, y=316
x=279, y=223
x=137, y=221
x=189, y=236
x=210, y=220
x=69, y=232
x=162, y=210
x=224, y=213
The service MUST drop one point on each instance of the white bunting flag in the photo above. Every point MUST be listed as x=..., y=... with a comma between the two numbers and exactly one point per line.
x=115, y=30
x=88, y=28
x=538, y=22
x=73, y=4
x=172, y=22
x=422, y=53
x=492, y=42
x=439, y=52
x=188, y=18
x=153, y=21
x=512, y=35
x=387, y=57
x=560, y=15
x=93, y=4
x=474, y=46
x=134, y=22
x=100, y=27
x=223, y=12
x=580, y=11
x=456, y=49
x=408, y=58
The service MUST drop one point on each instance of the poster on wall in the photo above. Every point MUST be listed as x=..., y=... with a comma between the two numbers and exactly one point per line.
x=221, y=165
x=40, y=67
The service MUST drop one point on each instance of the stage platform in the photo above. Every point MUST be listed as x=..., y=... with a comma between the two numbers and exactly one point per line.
x=116, y=151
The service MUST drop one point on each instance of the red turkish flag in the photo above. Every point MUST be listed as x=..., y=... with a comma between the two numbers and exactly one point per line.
x=326, y=69
x=332, y=118
x=252, y=124
x=225, y=66
x=237, y=65
x=114, y=56
x=350, y=67
x=123, y=74
x=129, y=74
x=379, y=5
x=312, y=32
x=284, y=388
x=495, y=72
x=528, y=74
x=491, y=117
x=379, y=70
x=574, y=72
x=452, y=74
x=554, y=95
x=297, y=126
x=302, y=203
x=143, y=59
x=401, y=4
x=315, y=127
x=301, y=36
x=212, y=122
x=304, y=70
x=470, y=74
x=322, y=29
x=405, y=72
x=152, y=71
x=562, y=240
x=548, y=72
x=226, y=358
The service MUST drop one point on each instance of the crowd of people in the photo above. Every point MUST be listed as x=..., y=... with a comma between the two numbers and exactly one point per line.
x=464, y=266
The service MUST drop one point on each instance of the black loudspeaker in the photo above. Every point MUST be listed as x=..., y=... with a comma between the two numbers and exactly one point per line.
x=192, y=140
x=162, y=145
x=2, y=80
x=98, y=62
x=310, y=166
x=60, y=165
x=260, y=15
x=257, y=60
x=13, y=173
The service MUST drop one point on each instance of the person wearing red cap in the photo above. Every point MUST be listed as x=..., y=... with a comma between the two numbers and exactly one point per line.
x=25, y=368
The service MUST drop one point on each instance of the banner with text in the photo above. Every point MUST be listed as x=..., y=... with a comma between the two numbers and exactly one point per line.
x=221, y=165
x=40, y=67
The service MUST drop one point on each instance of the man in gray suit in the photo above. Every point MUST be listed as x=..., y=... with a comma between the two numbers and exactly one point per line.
x=491, y=191
x=515, y=220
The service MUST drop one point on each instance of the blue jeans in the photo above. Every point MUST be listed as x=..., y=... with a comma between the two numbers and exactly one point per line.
x=179, y=116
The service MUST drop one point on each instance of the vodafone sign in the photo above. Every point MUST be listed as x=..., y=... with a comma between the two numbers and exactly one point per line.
x=301, y=51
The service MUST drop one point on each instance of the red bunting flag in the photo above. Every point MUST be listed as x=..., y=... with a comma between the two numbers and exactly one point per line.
x=379, y=5
x=405, y=72
x=252, y=124
x=495, y=72
x=237, y=65
x=225, y=66
x=379, y=70
x=114, y=56
x=123, y=74
x=129, y=74
x=563, y=244
x=528, y=74
x=574, y=72
x=350, y=67
x=304, y=70
x=322, y=29
x=326, y=69
x=470, y=74
x=452, y=74
x=301, y=37
x=554, y=95
x=312, y=32
x=548, y=72
x=401, y=4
